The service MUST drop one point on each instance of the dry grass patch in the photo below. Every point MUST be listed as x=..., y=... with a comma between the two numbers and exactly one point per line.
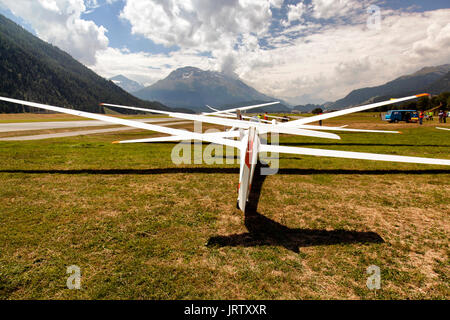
x=138, y=225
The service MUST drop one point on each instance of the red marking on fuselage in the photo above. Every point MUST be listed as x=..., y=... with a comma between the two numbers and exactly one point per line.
x=249, y=153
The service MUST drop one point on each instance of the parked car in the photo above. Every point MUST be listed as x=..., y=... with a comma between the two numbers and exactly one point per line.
x=402, y=115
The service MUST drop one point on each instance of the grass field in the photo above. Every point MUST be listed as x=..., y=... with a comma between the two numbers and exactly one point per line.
x=140, y=227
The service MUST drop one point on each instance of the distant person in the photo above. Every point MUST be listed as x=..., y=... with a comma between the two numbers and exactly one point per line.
x=441, y=115
x=421, y=117
x=265, y=116
x=430, y=115
x=320, y=121
x=444, y=117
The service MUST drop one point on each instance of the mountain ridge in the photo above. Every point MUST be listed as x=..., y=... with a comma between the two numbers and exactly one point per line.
x=420, y=81
x=191, y=87
x=440, y=85
x=126, y=84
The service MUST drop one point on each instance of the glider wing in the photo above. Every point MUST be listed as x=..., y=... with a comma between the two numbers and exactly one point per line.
x=351, y=155
x=125, y=122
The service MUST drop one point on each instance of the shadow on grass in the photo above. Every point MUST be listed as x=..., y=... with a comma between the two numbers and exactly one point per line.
x=225, y=170
x=264, y=231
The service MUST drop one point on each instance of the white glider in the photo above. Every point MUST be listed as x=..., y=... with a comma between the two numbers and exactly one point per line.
x=264, y=128
x=242, y=108
x=231, y=115
x=130, y=123
x=250, y=144
x=226, y=113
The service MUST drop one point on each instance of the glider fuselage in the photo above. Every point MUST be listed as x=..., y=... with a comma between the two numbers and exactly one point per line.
x=249, y=158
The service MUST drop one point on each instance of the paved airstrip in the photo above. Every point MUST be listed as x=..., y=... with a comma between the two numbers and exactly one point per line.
x=27, y=126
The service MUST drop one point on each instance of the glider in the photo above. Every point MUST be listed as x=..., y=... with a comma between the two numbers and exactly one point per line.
x=250, y=143
x=228, y=115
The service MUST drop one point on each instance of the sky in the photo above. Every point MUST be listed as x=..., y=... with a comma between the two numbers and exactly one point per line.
x=308, y=51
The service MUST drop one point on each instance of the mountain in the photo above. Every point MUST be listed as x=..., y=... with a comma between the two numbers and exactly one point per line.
x=418, y=82
x=440, y=85
x=126, y=84
x=32, y=69
x=193, y=88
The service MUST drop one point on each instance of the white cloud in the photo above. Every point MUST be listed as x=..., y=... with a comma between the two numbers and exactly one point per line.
x=49, y=5
x=227, y=30
x=201, y=25
x=295, y=13
x=437, y=38
x=317, y=61
x=326, y=9
x=91, y=3
x=276, y=3
x=336, y=59
x=146, y=68
x=59, y=23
